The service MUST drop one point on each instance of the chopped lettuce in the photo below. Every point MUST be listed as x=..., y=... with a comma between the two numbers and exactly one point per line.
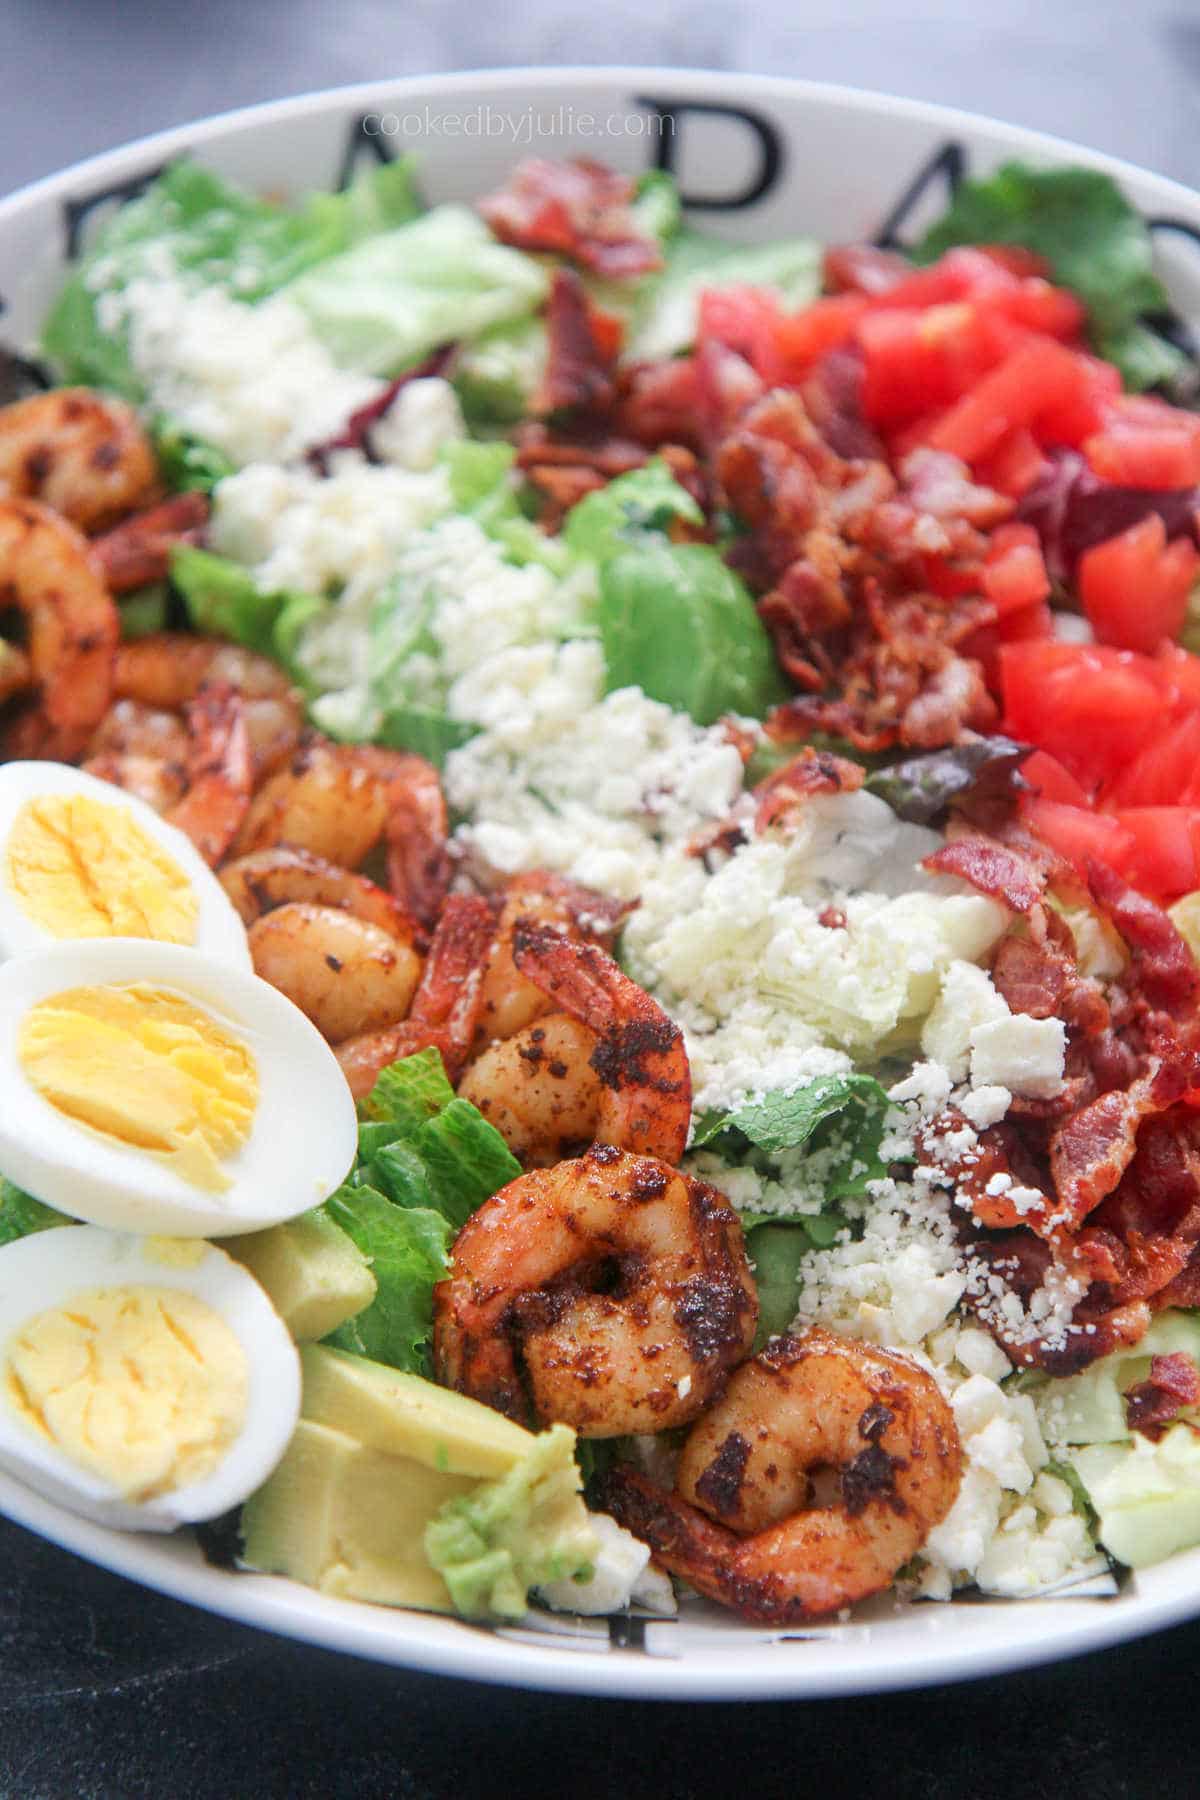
x=185, y=462
x=482, y=486
x=192, y=221
x=144, y=611
x=776, y=1250
x=497, y=375
x=389, y=301
x=408, y=1093
x=657, y=209
x=21, y=1215
x=492, y=1545
x=1095, y=242
x=222, y=599
x=624, y=511
x=408, y=1250
x=852, y=1106
x=677, y=622
x=665, y=312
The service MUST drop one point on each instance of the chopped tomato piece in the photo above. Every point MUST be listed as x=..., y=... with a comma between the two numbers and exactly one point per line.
x=1135, y=586
x=1079, y=410
x=1014, y=465
x=1040, y=306
x=802, y=338
x=1050, y=781
x=1142, y=442
x=744, y=319
x=1027, y=623
x=1090, y=706
x=1165, y=771
x=1162, y=857
x=1038, y=377
x=1014, y=573
x=1078, y=834
x=1179, y=673
x=863, y=269
x=914, y=361
x=1015, y=258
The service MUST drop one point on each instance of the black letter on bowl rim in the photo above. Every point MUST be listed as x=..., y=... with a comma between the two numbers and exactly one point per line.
x=76, y=212
x=359, y=139
x=771, y=149
x=949, y=161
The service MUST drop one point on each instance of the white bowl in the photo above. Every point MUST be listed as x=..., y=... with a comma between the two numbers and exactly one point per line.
x=757, y=159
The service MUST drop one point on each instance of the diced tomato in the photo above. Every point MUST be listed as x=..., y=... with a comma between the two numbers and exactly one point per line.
x=802, y=338
x=608, y=330
x=1165, y=772
x=1079, y=410
x=1143, y=442
x=1026, y=624
x=915, y=361
x=1040, y=306
x=1162, y=857
x=963, y=273
x=1014, y=465
x=744, y=319
x=1089, y=706
x=1135, y=586
x=1078, y=834
x=863, y=269
x=1015, y=258
x=1040, y=376
x=948, y=579
x=1014, y=573
x=1050, y=781
x=1178, y=671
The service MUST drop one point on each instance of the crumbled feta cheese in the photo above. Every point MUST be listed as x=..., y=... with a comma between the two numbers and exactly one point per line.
x=985, y=1106
x=620, y=1561
x=423, y=418
x=980, y=1354
x=1022, y=1054
x=967, y=1000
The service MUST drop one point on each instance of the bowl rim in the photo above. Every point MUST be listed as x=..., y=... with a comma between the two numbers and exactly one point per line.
x=755, y=1670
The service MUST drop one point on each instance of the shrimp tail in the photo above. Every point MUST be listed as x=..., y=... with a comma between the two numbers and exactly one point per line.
x=418, y=854
x=639, y=1057
x=220, y=772
x=138, y=551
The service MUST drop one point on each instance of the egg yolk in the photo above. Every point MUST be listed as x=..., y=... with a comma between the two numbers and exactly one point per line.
x=148, y=1068
x=82, y=869
x=144, y=1387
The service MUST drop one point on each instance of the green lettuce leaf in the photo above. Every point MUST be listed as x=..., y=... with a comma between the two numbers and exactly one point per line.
x=185, y=461
x=625, y=511
x=1095, y=242
x=223, y=600
x=389, y=301
x=482, y=486
x=206, y=228
x=492, y=1545
x=497, y=375
x=409, y=1092
x=776, y=1251
x=21, y=1215
x=408, y=1250
x=665, y=313
x=677, y=622
x=144, y=611
x=851, y=1106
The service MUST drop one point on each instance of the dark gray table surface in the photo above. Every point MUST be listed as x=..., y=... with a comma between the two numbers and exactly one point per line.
x=108, y=1692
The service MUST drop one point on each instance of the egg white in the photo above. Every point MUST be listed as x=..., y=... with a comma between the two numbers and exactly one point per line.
x=43, y=1272
x=300, y=1146
x=219, y=930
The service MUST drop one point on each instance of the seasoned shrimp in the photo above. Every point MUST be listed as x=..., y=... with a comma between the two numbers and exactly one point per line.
x=269, y=878
x=607, y=1065
x=73, y=625
x=142, y=750
x=220, y=772
x=509, y=1000
x=741, y=1526
x=85, y=455
x=169, y=668
x=611, y=1293
x=445, y=1005
x=138, y=550
x=16, y=671
x=340, y=801
x=348, y=976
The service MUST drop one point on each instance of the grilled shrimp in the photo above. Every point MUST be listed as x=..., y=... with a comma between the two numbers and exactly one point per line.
x=82, y=454
x=340, y=801
x=220, y=772
x=445, y=1005
x=138, y=550
x=509, y=1000
x=143, y=750
x=611, y=1293
x=167, y=669
x=606, y=1065
x=348, y=976
x=73, y=627
x=269, y=878
x=741, y=1527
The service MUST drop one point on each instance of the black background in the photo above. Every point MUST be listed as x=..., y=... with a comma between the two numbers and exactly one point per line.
x=107, y=1691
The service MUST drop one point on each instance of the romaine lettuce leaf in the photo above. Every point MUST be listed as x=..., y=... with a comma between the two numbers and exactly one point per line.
x=408, y=1250
x=623, y=511
x=389, y=301
x=409, y=1092
x=21, y=1215
x=677, y=622
x=482, y=486
x=193, y=221
x=777, y=1248
x=222, y=599
x=665, y=312
x=498, y=374
x=184, y=461
x=1095, y=242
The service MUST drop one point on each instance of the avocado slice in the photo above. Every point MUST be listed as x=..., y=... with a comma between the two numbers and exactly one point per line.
x=314, y=1274
x=1147, y=1496
x=1089, y=1408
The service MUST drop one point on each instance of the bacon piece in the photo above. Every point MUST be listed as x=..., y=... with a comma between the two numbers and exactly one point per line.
x=579, y=368
x=356, y=432
x=1164, y=969
x=1090, y=1151
x=832, y=392
x=579, y=208
x=586, y=447
x=138, y=551
x=781, y=795
x=1041, y=980
x=796, y=720
x=657, y=402
x=1152, y=1405
x=939, y=484
x=863, y=269
x=991, y=868
x=726, y=387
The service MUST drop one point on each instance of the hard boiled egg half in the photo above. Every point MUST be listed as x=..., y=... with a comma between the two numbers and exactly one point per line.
x=80, y=858
x=152, y=1089
x=142, y=1386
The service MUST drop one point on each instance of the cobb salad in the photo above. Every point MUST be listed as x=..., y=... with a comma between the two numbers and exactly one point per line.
x=600, y=896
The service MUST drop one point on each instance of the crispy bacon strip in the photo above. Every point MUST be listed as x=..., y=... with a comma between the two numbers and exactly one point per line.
x=1165, y=970
x=782, y=795
x=580, y=209
x=990, y=868
x=1173, y=1383
x=1090, y=1151
x=579, y=366
x=138, y=551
